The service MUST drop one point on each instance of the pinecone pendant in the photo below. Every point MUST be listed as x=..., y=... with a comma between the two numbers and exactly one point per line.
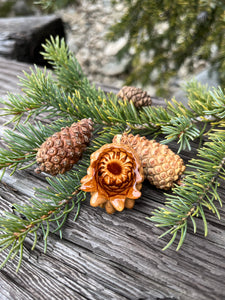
x=162, y=167
x=136, y=95
x=114, y=178
x=63, y=149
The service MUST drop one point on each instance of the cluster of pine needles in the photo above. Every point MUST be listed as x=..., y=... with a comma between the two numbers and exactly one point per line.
x=64, y=95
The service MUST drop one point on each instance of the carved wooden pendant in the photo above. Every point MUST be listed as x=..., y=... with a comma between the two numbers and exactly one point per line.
x=114, y=178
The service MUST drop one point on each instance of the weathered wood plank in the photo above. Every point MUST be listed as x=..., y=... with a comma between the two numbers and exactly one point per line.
x=9, y=72
x=116, y=256
x=123, y=255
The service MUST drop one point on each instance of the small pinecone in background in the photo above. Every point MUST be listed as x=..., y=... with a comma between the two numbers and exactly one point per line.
x=136, y=95
x=162, y=167
x=63, y=149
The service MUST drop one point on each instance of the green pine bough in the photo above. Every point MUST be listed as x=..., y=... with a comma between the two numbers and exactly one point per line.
x=163, y=36
x=65, y=95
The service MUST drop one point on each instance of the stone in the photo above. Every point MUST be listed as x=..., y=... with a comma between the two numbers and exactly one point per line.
x=115, y=67
x=113, y=48
x=207, y=77
x=86, y=30
x=86, y=36
x=20, y=8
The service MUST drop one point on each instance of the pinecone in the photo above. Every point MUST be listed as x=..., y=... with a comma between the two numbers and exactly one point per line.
x=162, y=167
x=136, y=95
x=63, y=149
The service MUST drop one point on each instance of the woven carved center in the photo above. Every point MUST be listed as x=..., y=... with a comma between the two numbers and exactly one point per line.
x=115, y=171
x=114, y=168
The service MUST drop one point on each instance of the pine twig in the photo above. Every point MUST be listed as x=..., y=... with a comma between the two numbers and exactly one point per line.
x=69, y=97
x=22, y=145
x=29, y=219
x=66, y=67
x=42, y=95
x=197, y=192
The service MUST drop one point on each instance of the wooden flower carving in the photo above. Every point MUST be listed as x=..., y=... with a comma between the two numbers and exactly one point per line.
x=114, y=178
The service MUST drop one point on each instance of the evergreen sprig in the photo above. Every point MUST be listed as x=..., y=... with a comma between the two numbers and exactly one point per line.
x=63, y=196
x=161, y=37
x=66, y=67
x=181, y=129
x=54, y=95
x=21, y=146
x=42, y=95
x=197, y=192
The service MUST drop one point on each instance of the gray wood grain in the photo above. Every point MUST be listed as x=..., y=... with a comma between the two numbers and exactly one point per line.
x=116, y=256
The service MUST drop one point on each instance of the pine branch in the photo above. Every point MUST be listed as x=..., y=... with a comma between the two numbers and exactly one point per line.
x=69, y=74
x=83, y=100
x=197, y=192
x=42, y=95
x=175, y=121
x=70, y=97
x=85, y=97
x=21, y=146
x=185, y=124
x=181, y=129
x=63, y=196
x=66, y=67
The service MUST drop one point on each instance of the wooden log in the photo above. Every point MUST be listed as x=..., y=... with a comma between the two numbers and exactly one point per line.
x=116, y=256
x=21, y=37
x=10, y=70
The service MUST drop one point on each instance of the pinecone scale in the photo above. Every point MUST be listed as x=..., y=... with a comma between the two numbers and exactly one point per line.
x=63, y=149
x=136, y=95
x=162, y=167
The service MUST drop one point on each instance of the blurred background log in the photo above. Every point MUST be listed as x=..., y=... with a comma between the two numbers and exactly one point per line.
x=21, y=37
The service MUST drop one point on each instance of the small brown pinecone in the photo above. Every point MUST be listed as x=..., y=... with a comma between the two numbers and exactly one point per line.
x=136, y=95
x=162, y=167
x=63, y=149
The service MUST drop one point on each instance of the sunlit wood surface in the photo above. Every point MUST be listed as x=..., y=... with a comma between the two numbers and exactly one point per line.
x=105, y=256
